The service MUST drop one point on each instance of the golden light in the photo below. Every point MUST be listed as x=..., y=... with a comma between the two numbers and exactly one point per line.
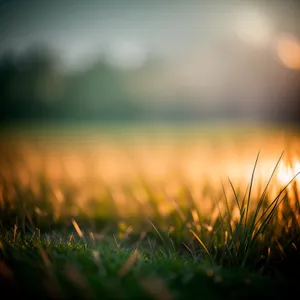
x=288, y=51
x=286, y=172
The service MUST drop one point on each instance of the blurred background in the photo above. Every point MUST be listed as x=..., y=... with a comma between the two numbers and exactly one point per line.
x=127, y=60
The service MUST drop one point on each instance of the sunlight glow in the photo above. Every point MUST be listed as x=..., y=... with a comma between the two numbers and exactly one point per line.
x=288, y=51
x=286, y=172
x=252, y=27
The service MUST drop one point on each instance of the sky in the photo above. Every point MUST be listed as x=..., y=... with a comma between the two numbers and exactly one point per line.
x=221, y=49
x=80, y=29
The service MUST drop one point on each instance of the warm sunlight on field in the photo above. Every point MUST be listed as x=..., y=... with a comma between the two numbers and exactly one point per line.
x=286, y=172
x=74, y=199
x=89, y=168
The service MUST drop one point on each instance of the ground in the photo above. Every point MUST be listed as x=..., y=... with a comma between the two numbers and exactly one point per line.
x=149, y=214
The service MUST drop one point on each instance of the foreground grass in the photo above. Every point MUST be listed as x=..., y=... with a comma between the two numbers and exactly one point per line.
x=56, y=268
x=139, y=241
x=176, y=257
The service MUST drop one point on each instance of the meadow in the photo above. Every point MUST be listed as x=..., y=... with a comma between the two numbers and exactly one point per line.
x=149, y=212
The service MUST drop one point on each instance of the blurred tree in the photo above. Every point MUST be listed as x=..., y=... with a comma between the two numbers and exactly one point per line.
x=32, y=87
x=29, y=82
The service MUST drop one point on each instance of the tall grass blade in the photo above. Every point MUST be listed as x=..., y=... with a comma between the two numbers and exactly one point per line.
x=250, y=190
x=157, y=231
x=276, y=198
x=262, y=198
x=235, y=194
x=272, y=207
x=202, y=244
x=227, y=207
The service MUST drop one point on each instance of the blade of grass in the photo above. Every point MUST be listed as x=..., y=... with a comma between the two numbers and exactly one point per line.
x=202, y=244
x=227, y=207
x=249, y=194
x=260, y=202
x=157, y=231
x=235, y=194
x=273, y=206
x=276, y=198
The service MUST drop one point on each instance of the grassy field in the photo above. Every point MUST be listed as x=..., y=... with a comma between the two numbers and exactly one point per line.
x=149, y=213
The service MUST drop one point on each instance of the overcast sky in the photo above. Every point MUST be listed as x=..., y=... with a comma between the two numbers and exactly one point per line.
x=218, y=48
x=79, y=29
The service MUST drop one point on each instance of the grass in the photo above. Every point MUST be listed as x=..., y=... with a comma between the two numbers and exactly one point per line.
x=137, y=240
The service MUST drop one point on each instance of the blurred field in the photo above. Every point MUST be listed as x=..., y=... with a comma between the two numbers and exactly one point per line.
x=92, y=157
x=89, y=166
x=117, y=185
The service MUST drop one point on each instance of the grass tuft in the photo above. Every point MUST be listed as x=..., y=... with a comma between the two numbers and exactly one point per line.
x=147, y=240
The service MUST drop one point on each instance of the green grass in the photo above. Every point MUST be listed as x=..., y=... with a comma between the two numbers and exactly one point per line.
x=246, y=247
